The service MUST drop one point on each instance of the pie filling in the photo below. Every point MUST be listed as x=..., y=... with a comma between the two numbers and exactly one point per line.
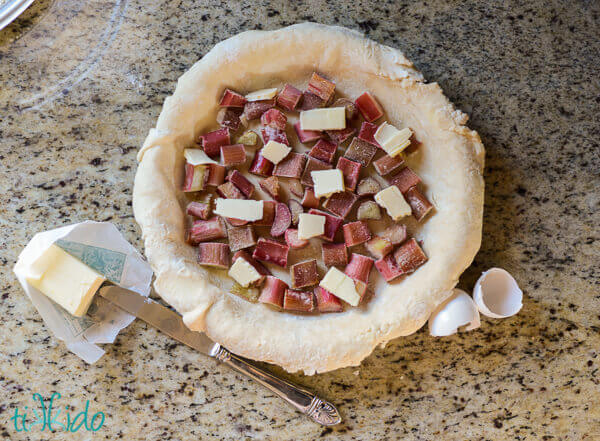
x=308, y=204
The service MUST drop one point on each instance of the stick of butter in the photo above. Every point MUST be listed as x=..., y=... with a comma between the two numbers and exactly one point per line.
x=66, y=280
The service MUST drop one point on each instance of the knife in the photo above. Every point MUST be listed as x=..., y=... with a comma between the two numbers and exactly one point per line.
x=171, y=323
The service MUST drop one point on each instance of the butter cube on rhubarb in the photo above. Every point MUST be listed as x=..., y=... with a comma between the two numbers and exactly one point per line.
x=244, y=273
x=263, y=94
x=310, y=225
x=242, y=209
x=275, y=151
x=327, y=182
x=392, y=200
x=392, y=140
x=332, y=118
x=197, y=157
x=340, y=285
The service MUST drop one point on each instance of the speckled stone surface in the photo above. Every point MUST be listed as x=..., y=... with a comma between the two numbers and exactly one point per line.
x=70, y=125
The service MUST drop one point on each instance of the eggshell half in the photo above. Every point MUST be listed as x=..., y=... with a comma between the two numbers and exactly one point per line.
x=457, y=311
x=497, y=294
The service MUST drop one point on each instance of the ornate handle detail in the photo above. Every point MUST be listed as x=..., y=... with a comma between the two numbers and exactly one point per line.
x=321, y=411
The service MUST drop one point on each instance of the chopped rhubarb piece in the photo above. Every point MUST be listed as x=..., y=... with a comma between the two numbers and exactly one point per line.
x=341, y=203
x=233, y=154
x=229, y=118
x=360, y=151
x=295, y=187
x=311, y=101
x=409, y=256
x=291, y=166
x=312, y=165
x=334, y=254
x=229, y=191
x=289, y=97
x=351, y=110
x=395, y=233
x=310, y=200
x=295, y=209
x=368, y=106
x=321, y=87
x=241, y=183
x=274, y=118
x=414, y=144
x=271, y=186
x=272, y=251
x=268, y=214
x=241, y=237
x=368, y=210
x=304, y=274
x=212, y=141
x=198, y=209
x=298, y=301
x=282, y=221
x=359, y=267
x=323, y=151
x=248, y=138
x=351, y=171
x=195, y=177
x=332, y=223
x=356, y=233
x=291, y=238
x=388, y=268
x=339, y=136
x=205, y=230
x=387, y=164
x=257, y=265
x=261, y=166
x=254, y=109
x=404, y=179
x=327, y=302
x=305, y=136
x=213, y=254
x=418, y=202
x=273, y=291
x=379, y=247
x=368, y=187
x=272, y=134
x=216, y=175
x=232, y=99
x=367, y=133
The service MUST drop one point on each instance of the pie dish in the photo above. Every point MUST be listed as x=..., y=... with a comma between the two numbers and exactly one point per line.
x=450, y=162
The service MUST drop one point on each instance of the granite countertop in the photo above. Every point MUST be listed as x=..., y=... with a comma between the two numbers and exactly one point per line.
x=70, y=125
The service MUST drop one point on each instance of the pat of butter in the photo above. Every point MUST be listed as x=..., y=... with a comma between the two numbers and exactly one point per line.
x=242, y=209
x=263, y=94
x=275, y=151
x=340, y=285
x=243, y=273
x=333, y=118
x=197, y=157
x=327, y=182
x=392, y=200
x=66, y=280
x=392, y=140
x=310, y=225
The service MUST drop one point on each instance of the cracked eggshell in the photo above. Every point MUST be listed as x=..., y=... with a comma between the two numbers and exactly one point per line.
x=497, y=294
x=457, y=311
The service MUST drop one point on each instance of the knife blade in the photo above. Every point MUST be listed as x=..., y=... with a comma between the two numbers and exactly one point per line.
x=158, y=316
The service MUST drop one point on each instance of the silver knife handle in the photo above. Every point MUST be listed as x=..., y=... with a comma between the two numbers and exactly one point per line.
x=323, y=412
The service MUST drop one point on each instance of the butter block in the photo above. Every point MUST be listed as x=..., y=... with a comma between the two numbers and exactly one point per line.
x=262, y=94
x=197, y=157
x=243, y=273
x=327, y=182
x=310, y=225
x=340, y=285
x=392, y=140
x=275, y=151
x=66, y=280
x=242, y=209
x=392, y=200
x=333, y=118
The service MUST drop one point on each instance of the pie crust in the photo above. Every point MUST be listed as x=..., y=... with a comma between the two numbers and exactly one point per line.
x=450, y=162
